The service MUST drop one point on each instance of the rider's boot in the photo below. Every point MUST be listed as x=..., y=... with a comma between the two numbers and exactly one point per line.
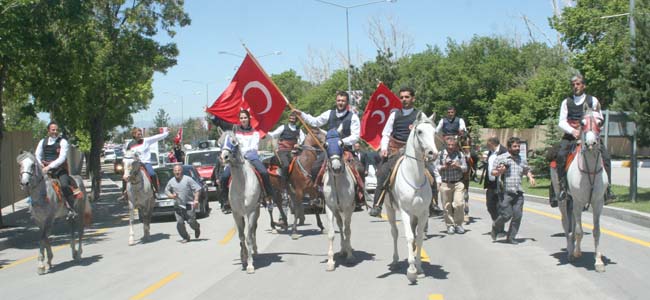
x=609, y=196
x=552, y=197
x=375, y=211
x=69, y=200
x=563, y=188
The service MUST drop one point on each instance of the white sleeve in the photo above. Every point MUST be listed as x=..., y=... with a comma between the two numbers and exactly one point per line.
x=317, y=121
x=596, y=108
x=491, y=161
x=355, y=129
x=39, y=151
x=277, y=132
x=63, y=154
x=388, y=130
x=461, y=124
x=301, y=137
x=154, y=139
x=563, y=124
x=439, y=128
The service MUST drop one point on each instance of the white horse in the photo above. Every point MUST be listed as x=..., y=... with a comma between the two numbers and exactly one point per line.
x=587, y=183
x=139, y=192
x=338, y=190
x=46, y=206
x=245, y=196
x=411, y=193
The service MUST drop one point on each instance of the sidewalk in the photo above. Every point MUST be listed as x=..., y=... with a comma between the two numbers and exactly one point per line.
x=631, y=216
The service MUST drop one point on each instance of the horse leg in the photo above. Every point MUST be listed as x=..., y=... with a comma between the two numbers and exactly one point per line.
x=41, y=253
x=330, y=238
x=466, y=203
x=577, y=253
x=131, y=208
x=319, y=223
x=73, y=242
x=599, y=264
x=48, y=246
x=566, y=225
x=339, y=223
x=348, y=233
x=419, y=238
x=390, y=212
x=296, y=206
x=146, y=219
x=249, y=227
x=411, y=272
x=253, y=221
x=239, y=222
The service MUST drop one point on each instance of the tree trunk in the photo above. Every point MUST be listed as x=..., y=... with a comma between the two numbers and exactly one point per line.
x=3, y=78
x=94, y=163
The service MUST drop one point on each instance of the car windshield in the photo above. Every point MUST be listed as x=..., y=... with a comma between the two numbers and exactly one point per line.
x=208, y=158
x=165, y=174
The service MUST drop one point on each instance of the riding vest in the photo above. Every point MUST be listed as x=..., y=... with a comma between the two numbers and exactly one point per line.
x=450, y=127
x=576, y=112
x=402, y=124
x=334, y=122
x=288, y=138
x=51, y=152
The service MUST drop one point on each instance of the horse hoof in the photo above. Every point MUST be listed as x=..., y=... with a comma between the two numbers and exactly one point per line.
x=600, y=268
x=421, y=275
x=295, y=236
x=350, y=259
x=250, y=270
x=330, y=267
x=571, y=258
x=41, y=271
x=577, y=254
x=274, y=231
x=412, y=276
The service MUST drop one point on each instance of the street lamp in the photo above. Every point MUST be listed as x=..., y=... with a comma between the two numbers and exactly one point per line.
x=180, y=96
x=347, y=26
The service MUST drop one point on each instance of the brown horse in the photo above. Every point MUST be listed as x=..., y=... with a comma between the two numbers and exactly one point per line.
x=471, y=158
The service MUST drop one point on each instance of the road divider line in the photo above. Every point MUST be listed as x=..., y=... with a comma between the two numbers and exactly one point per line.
x=156, y=286
x=436, y=297
x=424, y=256
x=228, y=236
x=54, y=249
x=586, y=225
x=385, y=217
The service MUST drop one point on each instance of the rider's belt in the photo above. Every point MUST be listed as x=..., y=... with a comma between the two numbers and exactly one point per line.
x=451, y=181
x=568, y=137
x=286, y=144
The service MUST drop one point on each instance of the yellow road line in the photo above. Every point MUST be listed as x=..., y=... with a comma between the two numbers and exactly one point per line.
x=54, y=249
x=424, y=256
x=156, y=286
x=385, y=217
x=586, y=225
x=228, y=236
x=436, y=297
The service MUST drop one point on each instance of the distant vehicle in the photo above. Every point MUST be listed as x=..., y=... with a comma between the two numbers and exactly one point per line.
x=118, y=166
x=109, y=156
x=204, y=162
x=164, y=206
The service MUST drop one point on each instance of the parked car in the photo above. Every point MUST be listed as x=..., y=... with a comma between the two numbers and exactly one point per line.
x=165, y=206
x=109, y=156
x=204, y=162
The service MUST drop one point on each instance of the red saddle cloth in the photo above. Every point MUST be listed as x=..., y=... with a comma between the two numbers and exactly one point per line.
x=273, y=170
x=572, y=155
x=259, y=179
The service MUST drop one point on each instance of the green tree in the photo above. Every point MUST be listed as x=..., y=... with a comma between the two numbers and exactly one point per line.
x=161, y=119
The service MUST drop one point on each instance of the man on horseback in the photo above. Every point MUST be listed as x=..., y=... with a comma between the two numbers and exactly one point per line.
x=141, y=145
x=572, y=110
x=249, y=140
x=346, y=122
x=451, y=125
x=290, y=137
x=51, y=153
x=393, y=139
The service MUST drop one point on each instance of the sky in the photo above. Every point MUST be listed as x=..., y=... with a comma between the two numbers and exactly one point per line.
x=293, y=27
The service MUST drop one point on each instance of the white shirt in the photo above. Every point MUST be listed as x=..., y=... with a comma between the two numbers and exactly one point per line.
x=248, y=141
x=322, y=119
x=388, y=128
x=491, y=160
x=143, y=149
x=461, y=125
x=63, y=154
x=278, y=131
x=578, y=100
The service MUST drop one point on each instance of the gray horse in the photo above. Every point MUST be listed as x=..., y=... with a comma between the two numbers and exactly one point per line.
x=140, y=194
x=47, y=205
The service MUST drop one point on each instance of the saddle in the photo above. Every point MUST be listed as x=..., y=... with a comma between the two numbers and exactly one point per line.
x=259, y=180
x=569, y=159
x=358, y=181
x=56, y=185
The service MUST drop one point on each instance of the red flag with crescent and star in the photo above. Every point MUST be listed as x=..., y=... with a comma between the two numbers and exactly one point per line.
x=253, y=90
x=377, y=111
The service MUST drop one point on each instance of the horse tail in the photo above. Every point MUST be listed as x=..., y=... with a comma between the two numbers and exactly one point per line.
x=88, y=212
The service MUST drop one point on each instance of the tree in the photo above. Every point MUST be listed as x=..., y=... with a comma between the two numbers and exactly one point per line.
x=161, y=119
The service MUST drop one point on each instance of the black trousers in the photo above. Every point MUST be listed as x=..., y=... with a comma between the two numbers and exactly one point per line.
x=492, y=202
x=510, y=207
x=285, y=160
x=567, y=144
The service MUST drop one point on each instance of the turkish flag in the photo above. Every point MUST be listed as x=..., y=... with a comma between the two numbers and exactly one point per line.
x=251, y=89
x=179, y=136
x=377, y=111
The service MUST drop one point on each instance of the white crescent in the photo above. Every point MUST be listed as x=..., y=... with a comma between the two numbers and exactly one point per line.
x=386, y=102
x=381, y=115
x=258, y=85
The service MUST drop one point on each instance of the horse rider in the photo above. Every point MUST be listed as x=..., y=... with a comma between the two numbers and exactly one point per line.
x=450, y=167
x=141, y=145
x=346, y=122
x=185, y=191
x=249, y=140
x=289, y=138
x=51, y=153
x=451, y=125
x=512, y=167
x=393, y=139
x=572, y=110
x=490, y=184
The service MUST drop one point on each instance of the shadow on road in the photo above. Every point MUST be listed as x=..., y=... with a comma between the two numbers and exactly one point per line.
x=85, y=261
x=359, y=257
x=586, y=261
x=434, y=271
x=263, y=260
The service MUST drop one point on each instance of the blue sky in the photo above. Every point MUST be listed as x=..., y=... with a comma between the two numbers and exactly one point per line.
x=295, y=26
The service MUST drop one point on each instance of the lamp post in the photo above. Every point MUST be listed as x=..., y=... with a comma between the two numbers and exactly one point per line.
x=347, y=27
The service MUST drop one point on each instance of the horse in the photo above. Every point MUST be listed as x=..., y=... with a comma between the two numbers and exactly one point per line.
x=302, y=180
x=47, y=205
x=339, y=192
x=410, y=194
x=245, y=196
x=587, y=183
x=139, y=192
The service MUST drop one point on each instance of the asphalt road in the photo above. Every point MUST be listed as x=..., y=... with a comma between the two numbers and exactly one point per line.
x=468, y=266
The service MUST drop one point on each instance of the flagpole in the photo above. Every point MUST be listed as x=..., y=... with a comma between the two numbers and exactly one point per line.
x=285, y=98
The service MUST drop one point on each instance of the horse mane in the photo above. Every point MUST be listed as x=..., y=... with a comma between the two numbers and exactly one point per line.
x=25, y=154
x=222, y=139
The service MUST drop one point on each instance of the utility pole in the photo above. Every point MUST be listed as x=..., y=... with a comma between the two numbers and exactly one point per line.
x=634, y=161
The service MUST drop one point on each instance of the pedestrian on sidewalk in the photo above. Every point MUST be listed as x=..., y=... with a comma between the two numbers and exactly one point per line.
x=185, y=191
x=511, y=167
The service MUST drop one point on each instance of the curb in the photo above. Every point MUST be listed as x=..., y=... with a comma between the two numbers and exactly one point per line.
x=630, y=216
x=627, y=163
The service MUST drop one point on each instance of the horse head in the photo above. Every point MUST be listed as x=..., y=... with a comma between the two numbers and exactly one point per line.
x=334, y=147
x=590, y=130
x=30, y=172
x=131, y=162
x=230, y=149
x=423, y=132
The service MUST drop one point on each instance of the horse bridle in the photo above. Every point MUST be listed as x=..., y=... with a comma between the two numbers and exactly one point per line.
x=40, y=176
x=417, y=137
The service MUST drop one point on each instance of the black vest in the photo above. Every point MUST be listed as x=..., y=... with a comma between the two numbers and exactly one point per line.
x=450, y=127
x=576, y=112
x=134, y=143
x=289, y=135
x=335, y=122
x=51, y=152
x=402, y=124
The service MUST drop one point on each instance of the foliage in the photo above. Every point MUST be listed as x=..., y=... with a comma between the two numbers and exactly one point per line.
x=161, y=119
x=293, y=87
